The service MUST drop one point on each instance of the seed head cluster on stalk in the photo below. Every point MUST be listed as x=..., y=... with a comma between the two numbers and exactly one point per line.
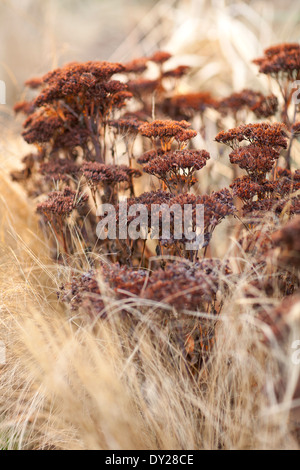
x=249, y=100
x=106, y=133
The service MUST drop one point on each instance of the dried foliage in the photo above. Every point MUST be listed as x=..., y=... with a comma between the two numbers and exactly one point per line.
x=85, y=124
x=176, y=169
x=187, y=105
x=282, y=63
x=167, y=132
x=61, y=204
x=262, y=106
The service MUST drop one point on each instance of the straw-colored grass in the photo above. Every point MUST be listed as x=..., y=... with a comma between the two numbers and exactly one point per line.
x=70, y=384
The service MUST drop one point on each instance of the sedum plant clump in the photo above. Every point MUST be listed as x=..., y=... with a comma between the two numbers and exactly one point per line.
x=105, y=133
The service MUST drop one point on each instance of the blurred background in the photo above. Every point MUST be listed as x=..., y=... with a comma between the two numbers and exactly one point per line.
x=218, y=37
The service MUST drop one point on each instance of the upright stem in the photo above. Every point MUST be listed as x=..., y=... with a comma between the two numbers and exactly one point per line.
x=104, y=140
x=288, y=155
x=94, y=138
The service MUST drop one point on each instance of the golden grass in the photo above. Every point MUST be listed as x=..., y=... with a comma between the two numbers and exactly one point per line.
x=69, y=384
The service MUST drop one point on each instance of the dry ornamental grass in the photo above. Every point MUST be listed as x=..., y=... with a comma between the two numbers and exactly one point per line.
x=142, y=343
